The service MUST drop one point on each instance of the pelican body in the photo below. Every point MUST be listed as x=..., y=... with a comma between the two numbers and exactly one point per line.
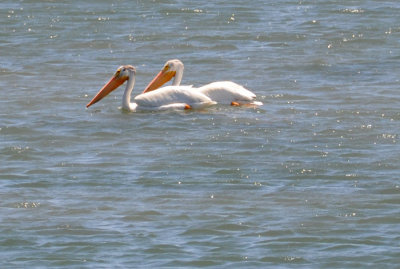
x=170, y=97
x=222, y=92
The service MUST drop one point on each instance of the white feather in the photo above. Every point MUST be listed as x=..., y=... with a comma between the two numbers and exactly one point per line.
x=226, y=92
x=176, y=97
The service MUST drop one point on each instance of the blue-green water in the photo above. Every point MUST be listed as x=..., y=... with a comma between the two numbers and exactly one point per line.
x=311, y=179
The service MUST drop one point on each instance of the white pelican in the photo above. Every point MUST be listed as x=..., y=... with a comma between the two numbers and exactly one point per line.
x=170, y=97
x=222, y=92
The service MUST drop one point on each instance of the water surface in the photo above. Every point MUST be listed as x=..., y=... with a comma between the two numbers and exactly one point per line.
x=310, y=179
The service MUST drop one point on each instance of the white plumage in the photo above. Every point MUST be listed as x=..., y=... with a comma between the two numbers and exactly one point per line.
x=222, y=92
x=171, y=97
x=176, y=97
x=226, y=92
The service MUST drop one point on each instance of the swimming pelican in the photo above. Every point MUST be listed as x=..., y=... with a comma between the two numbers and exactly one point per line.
x=222, y=92
x=170, y=97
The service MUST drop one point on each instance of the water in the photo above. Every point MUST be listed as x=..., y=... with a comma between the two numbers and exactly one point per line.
x=310, y=179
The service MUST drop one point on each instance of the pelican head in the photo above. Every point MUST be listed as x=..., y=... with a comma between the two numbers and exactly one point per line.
x=122, y=74
x=172, y=69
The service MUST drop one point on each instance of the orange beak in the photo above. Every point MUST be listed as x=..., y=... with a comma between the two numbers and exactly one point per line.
x=163, y=77
x=111, y=85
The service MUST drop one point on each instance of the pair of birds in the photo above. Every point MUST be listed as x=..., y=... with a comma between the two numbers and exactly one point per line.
x=174, y=96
